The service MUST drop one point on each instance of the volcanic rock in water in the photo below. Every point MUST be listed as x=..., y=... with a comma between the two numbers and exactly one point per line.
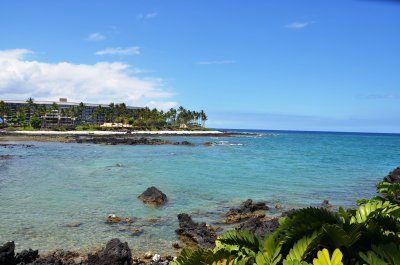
x=116, y=253
x=247, y=210
x=393, y=176
x=199, y=233
x=325, y=204
x=59, y=257
x=259, y=226
x=113, y=219
x=7, y=254
x=5, y=157
x=153, y=196
x=27, y=256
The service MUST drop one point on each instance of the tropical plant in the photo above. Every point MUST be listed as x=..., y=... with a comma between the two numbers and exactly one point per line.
x=36, y=122
x=369, y=234
x=4, y=111
x=203, y=118
x=382, y=255
x=30, y=108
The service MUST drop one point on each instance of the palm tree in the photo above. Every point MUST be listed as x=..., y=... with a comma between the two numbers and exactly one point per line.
x=203, y=118
x=4, y=111
x=30, y=107
x=110, y=113
x=80, y=109
x=54, y=108
x=98, y=114
x=20, y=117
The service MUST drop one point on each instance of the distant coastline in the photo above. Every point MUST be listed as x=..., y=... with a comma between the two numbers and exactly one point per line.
x=142, y=133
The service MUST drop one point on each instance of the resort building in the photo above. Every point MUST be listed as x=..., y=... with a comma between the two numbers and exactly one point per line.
x=62, y=112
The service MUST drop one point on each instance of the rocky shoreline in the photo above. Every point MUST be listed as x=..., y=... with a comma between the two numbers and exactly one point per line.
x=109, y=139
x=249, y=215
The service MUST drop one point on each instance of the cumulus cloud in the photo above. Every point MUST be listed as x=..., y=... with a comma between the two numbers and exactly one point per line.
x=14, y=54
x=96, y=36
x=134, y=50
x=102, y=82
x=216, y=62
x=299, y=25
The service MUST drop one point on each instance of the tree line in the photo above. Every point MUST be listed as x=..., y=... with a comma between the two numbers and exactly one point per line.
x=32, y=114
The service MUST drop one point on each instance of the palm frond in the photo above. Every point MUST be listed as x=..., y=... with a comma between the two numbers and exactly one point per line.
x=382, y=255
x=194, y=257
x=361, y=215
x=270, y=252
x=242, y=239
x=304, y=222
x=337, y=236
x=301, y=248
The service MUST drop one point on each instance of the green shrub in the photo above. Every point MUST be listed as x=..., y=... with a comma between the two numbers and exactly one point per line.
x=367, y=235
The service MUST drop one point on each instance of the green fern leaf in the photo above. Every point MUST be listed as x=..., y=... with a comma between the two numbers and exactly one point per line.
x=238, y=240
x=383, y=254
x=300, y=248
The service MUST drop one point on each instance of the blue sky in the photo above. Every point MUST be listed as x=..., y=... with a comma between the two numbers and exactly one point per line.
x=300, y=65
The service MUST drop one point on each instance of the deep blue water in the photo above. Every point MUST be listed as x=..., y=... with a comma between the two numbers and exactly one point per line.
x=46, y=189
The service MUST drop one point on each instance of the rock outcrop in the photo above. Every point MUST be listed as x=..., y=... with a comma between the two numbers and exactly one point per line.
x=59, y=257
x=393, y=176
x=7, y=254
x=115, y=252
x=27, y=256
x=259, y=226
x=247, y=210
x=153, y=196
x=115, y=140
x=199, y=233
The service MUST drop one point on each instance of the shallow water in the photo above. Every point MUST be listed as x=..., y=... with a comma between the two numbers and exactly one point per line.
x=57, y=195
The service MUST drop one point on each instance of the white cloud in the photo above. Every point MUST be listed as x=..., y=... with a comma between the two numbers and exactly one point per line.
x=299, y=25
x=166, y=105
x=102, y=82
x=135, y=50
x=14, y=54
x=96, y=36
x=147, y=16
x=216, y=62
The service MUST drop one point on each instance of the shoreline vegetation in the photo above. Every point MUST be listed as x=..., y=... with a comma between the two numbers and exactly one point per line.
x=62, y=116
x=368, y=234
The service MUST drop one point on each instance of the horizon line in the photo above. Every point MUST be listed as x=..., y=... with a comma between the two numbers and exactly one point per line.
x=310, y=131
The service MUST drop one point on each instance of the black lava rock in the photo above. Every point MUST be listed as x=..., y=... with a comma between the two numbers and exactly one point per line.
x=115, y=253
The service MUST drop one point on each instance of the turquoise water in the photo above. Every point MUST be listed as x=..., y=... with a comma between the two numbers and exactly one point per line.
x=48, y=189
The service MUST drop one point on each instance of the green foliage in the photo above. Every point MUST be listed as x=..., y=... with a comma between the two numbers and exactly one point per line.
x=36, y=122
x=369, y=234
x=301, y=248
x=59, y=128
x=270, y=253
x=325, y=259
x=382, y=254
x=232, y=239
x=87, y=127
x=361, y=215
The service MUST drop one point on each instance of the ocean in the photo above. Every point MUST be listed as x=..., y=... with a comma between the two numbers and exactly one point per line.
x=58, y=195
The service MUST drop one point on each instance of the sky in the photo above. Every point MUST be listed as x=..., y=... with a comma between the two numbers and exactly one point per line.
x=284, y=65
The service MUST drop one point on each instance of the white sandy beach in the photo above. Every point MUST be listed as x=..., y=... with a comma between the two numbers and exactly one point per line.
x=118, y=133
